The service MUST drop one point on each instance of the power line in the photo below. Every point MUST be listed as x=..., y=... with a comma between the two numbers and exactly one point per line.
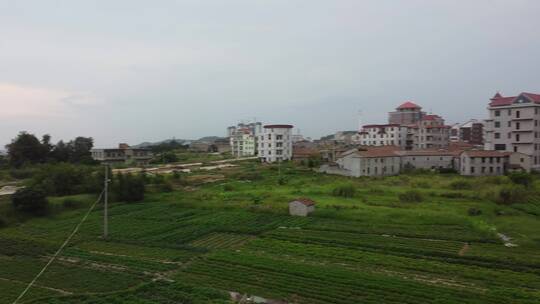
x=59, y=249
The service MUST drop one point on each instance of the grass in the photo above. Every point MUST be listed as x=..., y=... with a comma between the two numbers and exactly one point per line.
x=367, y=246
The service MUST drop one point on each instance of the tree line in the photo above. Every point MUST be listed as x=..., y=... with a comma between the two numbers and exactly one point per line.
x=27, y=149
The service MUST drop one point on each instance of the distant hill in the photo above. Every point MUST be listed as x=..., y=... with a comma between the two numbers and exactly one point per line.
x=149, y=144
x=182, y=141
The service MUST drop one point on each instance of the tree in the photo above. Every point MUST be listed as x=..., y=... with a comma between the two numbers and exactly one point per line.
x=61, y=152
x=129, y=188
x=81, y=147
x=26, y=148
x=30, y=200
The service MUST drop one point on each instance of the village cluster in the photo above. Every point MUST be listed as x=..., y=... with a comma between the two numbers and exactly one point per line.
x=411, y=139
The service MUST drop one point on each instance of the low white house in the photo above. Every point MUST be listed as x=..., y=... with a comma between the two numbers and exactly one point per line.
x=478, y=163
x=301, y=207
x=375, y=161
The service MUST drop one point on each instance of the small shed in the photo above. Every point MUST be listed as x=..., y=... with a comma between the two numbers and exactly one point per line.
x=301, y=207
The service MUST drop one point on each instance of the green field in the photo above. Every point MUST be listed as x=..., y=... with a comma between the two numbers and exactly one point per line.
x=203, y=240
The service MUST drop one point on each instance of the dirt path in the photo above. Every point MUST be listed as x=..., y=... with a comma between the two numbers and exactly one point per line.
x=464, y=249
x=63, y=292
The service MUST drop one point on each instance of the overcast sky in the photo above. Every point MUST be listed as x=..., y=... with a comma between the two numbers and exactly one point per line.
x=133, y=71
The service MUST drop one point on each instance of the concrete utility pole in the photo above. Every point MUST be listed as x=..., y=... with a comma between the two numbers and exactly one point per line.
x=106, y=204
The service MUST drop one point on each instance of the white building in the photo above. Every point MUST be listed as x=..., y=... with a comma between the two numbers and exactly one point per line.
x=274, y=143
x=243, y=143
x=383, y=135
x=478, y=163
x=243, y=138
x=513, y=125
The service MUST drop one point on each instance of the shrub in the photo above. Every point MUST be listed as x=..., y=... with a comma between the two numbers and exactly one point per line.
x=67, y=179
x=512, y=194
x=474, y=212
x=521, y=178
x=70, y=203
x=410, y=196
x=129, y=188
x=421, y=184
x=3, y=222
x=460, y=185
x=22, y=173
x=344, y=191
x=30, y=200
x=447, y=171
x=228, y=187
x=282, y=180
x=452, y=195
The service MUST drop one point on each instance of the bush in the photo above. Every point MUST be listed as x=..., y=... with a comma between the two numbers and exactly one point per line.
x=474, y=212
x=128, y=188
x=410, y=196
x=70, y=203
x=228, y=187
x=447, y=171
x=282, y=180
x=421, y=184
x=452, y=195
x=3, y=222
x=460, y=185
x=521, y=178
x=512, y=194
x=30, y=200
x=344, y=191
x=22, y=173
x=68, y=179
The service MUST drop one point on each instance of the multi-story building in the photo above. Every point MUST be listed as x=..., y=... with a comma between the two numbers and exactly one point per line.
x=383, y=135
x=274, y=143
x=123, y=154
x=428, y=133
x=407, y=113
x=243, y=138
x=513, y=125
x=243, y=143
x=471, y=132
x=254, y=127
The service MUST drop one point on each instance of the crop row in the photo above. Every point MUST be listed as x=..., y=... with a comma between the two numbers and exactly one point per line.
x=322, y=284
x=221, y=241
x=462, y=275
x=64, y=276
x=150, y=293
x=439, y=250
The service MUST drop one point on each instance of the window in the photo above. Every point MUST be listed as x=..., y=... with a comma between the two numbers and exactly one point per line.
x=517, y=125
x=515, y=149
x=521, y=159
x=498, y=159
x=497, y=135
x=517, y=114
x=279, y=137
x=472, y=169
x=497, y=124
x=536, y=111
x=517, y=137
x=509, y=112
x=483, y=169
x=509, y=124
x=490, y=169
x=497, y=113
x=509, y=135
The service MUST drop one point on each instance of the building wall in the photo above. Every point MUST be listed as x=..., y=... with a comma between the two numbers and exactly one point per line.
x=515, y=128
x=405, y=116
x=482, y=166
x=369, y=166
x=383, y=136
x=429, y=161
x=275, y=144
